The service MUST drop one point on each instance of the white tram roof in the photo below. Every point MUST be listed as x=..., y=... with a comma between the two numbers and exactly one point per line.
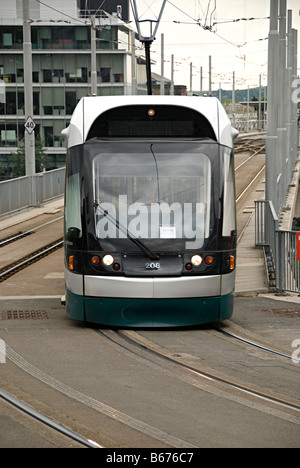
x=89, y=108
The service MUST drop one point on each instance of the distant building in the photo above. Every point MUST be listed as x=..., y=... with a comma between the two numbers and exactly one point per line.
x=61, y=66
x=179, y=90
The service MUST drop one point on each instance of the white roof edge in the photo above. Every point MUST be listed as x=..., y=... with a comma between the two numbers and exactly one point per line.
x=91, y=107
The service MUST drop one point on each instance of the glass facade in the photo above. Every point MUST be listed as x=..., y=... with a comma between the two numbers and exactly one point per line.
x=61, y=76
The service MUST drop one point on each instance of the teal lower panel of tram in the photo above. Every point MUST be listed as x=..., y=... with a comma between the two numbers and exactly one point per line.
x=118, y=312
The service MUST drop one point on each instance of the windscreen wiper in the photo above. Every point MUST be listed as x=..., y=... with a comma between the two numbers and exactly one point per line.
x=124, y=230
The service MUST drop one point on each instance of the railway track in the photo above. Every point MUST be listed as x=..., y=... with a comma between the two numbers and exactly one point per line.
x=212, y=380
x=32, y=414
x=257, y=342
x=29, y=259
x=97, y=406
x=21, y=235
x=171, y=364
x=26, y=254
x=254, y=148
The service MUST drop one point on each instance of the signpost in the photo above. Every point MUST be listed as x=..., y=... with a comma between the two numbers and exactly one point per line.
x=29, y=125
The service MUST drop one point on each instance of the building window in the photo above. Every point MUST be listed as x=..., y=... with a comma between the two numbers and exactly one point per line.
x=11, y=37
x=105, y=75
x=36, y=103
x=48, y=135
x=11, y=104
x=47, y=101
x=47, y=76
x=59, y=101
x=9, y=134
x=81, y=36
x=21, y=103
x=70, y=101
x=118, y=78
x=58, y=76
x=7, y=41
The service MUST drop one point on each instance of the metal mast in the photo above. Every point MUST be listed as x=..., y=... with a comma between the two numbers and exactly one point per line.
x=29, y=124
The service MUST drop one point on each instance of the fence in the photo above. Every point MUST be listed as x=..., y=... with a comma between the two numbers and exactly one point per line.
x=246, y=126
x=23, y=192
x=280, y=247
x=288, y=269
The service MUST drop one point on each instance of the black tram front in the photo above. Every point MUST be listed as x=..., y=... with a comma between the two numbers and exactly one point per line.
x=150, y=227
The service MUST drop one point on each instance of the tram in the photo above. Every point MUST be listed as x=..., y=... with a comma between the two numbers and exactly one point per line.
x=150, y=219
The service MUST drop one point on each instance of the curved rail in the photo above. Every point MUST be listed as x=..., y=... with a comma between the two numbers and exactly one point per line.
x=212, y=375
x=257, y=343
x=47, y=421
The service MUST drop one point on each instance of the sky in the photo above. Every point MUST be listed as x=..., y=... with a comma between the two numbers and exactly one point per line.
x=235, y=46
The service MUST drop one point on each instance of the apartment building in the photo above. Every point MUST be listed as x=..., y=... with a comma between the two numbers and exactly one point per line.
x=61, y=66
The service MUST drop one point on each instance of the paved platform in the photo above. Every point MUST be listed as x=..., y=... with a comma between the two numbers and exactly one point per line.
x=48, y=208
x=251, y=273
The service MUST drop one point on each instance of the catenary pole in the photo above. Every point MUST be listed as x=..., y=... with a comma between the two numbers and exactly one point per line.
x=272, y=116
x=162, y=77
x=281, y=129
x=28, y=95
x=93, y=57
x=133, y=65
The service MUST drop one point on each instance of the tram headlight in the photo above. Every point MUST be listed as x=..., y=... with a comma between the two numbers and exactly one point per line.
x=108, y=260
x=196, y=260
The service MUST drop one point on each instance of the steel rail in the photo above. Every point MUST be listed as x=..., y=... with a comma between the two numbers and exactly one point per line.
x=208, y=373
x=250, y=185
x=47, y=421
x=249, y=158
x=9, y=240
x=257, y=344
x=28, y=260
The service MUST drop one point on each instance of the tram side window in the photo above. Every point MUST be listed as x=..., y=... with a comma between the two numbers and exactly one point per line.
x=73, y=224
x=229, y=222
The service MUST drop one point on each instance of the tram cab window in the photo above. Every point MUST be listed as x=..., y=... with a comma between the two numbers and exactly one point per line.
x=167, y=200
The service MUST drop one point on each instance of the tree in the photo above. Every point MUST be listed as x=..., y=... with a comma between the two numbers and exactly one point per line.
x=16, y=161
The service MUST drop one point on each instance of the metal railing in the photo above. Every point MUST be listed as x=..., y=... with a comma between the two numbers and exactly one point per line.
x=288, y=267
x=280, y=248
x=23, y=192
x=249, y=125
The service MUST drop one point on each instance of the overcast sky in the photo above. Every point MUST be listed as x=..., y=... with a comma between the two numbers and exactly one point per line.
x=234, y=46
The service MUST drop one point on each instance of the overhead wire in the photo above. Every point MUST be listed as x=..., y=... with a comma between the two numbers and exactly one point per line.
x=194, y=21
x=58, y=11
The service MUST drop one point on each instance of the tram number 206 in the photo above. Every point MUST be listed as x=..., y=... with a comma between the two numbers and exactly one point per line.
x=152, y=266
